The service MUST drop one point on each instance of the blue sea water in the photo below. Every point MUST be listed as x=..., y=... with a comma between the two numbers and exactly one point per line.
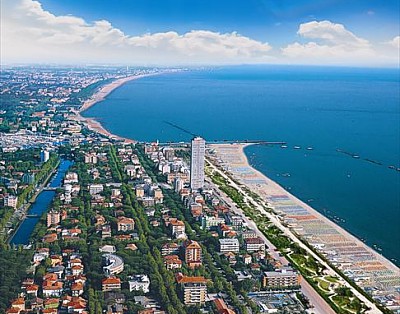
x=352, y=109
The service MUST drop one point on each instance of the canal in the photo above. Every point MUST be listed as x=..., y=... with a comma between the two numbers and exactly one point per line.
x=41, y=205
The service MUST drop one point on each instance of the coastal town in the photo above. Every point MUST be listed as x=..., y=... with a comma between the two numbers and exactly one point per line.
x=97, y=223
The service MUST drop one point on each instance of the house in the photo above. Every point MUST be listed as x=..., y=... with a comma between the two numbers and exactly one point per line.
x=177, y=228
x=90, y=158
x=115, y=309
x=247, y=259
x=105, y=231
x=108, y=249
x=125, y=224
x=50, y=238
x=95, y=189
x=77, y=270
x=114, y=297
x=10, y=200
x=170, y=248
x=229, y=245
x=231, y=257
x=18, y=304
x=76, y=289
x=32, y=290
x=139, y=282
x=131, y=246
x=208, y=222
x=52, y=289
x=71, y=177
x=38, y=257
x=222, y=308
x=172, y=262
x=254, y=244
x=110, y=284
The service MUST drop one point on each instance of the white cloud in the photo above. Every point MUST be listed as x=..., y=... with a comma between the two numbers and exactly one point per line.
x=33, y=34
x=332, y=43
x=395, y=42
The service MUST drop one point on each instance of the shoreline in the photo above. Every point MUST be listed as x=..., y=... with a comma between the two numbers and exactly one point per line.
x=94, y=125
x=316, y=213
x=350, y=255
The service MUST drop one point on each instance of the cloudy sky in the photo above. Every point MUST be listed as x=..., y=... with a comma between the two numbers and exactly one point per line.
x=197, y=32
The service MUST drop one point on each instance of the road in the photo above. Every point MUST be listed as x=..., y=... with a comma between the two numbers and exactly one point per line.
x=273, y=218
x=20, y=213
x=320, y=305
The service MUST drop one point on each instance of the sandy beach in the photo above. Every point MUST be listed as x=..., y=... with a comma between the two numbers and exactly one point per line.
x=357, y=260
x=100, y=95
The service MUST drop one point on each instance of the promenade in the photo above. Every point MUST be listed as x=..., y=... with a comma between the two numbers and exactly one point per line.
x=370, y=270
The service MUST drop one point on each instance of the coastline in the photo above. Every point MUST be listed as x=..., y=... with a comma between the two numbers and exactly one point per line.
x=94, y=125
x=316, y=213
x=311, y=225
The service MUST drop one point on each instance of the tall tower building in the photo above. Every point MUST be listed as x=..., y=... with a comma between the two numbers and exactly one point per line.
x=197, y=163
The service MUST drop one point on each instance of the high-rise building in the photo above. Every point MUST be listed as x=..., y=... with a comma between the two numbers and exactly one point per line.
x=193, y=254
x=53, y=218
x=44, y=155
x=197, y=163
x=194, y=289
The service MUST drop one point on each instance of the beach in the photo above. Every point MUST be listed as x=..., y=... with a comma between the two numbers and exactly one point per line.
x=94, y=125
x=359, y=262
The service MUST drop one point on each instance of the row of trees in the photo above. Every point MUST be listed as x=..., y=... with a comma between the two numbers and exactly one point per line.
x=225, y=281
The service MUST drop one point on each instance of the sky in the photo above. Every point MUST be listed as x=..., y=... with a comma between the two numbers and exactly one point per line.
x=201, y=32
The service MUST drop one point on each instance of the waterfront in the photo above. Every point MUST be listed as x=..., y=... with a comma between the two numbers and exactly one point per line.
x=298, y=220
x=40, y=205
x=351, y=109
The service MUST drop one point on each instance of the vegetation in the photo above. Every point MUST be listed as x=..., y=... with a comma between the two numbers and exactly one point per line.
x=13, y=267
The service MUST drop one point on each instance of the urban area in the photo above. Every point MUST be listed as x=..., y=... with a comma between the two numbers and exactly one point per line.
x=94, y=223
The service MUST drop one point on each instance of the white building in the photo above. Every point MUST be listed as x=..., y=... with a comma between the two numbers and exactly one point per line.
x=113, y=264
x=44, y=155
x=229, y=245
x=178, y=184
x=95, y=189
x=11, y=201
x=208, y=222
x=71, y=177
x=254, y=244
x=139, y=282
x=197, y=163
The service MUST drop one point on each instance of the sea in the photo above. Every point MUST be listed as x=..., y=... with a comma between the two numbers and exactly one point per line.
x=340, y=125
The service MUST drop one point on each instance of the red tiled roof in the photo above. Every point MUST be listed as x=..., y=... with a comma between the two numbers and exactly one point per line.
x=108, y=281
x=180, y=278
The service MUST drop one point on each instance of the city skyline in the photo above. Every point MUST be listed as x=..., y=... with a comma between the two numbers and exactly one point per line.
x=363, y=33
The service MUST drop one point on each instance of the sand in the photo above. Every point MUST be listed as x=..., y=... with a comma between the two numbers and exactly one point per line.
x=235, y=159
x=94, y=125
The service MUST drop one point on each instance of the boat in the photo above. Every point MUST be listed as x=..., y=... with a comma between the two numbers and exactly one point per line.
x=283, y=146
x=297, y=147
x=309, y=148
x=356, y=156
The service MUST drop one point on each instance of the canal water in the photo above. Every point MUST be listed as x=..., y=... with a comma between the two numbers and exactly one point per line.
x=41, y=205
